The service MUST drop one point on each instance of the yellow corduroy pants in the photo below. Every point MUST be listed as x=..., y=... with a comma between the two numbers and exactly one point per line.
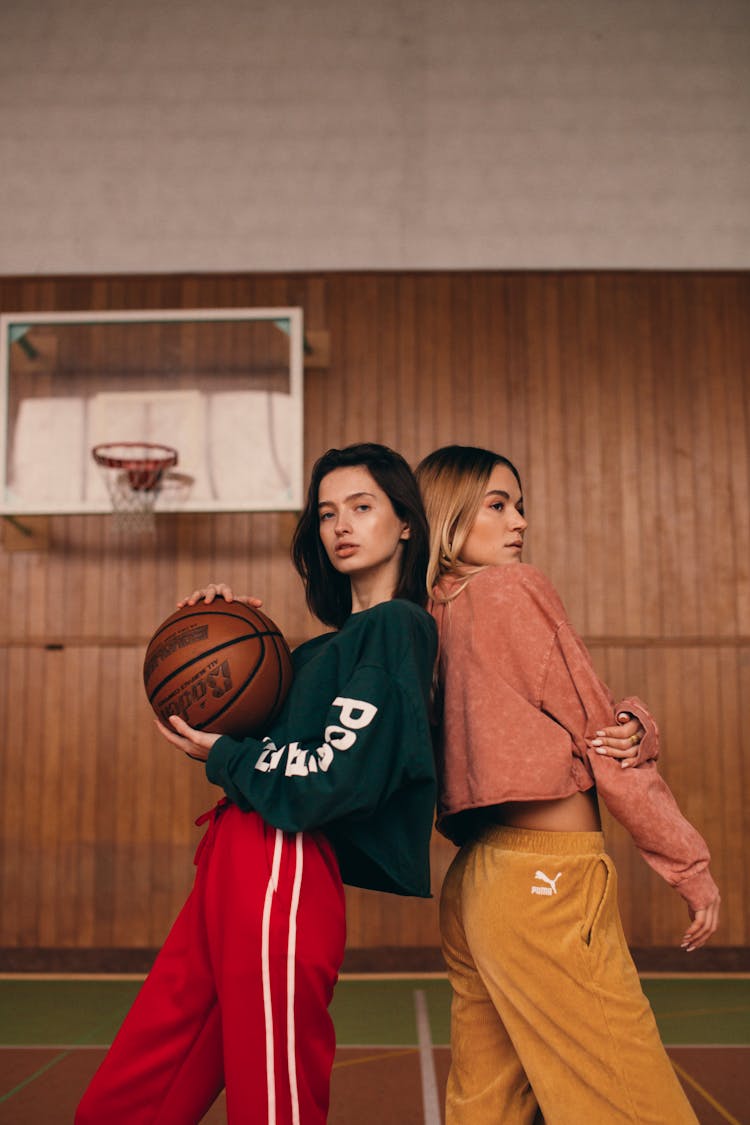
x=548, y=1022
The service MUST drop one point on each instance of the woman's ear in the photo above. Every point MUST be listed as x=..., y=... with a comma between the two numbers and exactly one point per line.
x=406, y=533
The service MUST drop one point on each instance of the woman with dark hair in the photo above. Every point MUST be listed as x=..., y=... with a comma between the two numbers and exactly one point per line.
x=548, y=1019
x=328, y=590
x=341, y=788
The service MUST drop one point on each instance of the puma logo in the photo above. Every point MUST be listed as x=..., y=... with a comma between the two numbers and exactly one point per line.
x=550, y=889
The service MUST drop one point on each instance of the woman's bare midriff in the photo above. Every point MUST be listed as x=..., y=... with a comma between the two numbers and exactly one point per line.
x=577, y=813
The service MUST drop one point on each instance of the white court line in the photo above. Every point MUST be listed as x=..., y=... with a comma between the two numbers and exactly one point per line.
x=430, y=1100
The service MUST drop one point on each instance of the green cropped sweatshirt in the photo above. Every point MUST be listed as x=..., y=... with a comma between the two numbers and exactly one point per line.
x=351, y=753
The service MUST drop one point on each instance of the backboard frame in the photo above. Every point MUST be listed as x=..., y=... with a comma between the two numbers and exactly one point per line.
x=288, y=319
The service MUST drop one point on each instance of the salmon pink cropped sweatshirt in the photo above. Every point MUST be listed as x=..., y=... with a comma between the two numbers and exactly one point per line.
x=519, y=698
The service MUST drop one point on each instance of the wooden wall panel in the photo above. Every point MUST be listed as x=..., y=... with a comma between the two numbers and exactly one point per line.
x=623, y=399
x=697, y=692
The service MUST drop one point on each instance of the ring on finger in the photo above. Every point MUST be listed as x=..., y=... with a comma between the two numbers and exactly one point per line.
x=634, y=739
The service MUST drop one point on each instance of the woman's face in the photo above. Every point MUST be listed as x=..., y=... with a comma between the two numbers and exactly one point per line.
x=496, y=536
x=360, y=531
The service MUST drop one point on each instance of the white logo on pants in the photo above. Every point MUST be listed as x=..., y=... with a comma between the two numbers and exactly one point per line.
x=550, y=889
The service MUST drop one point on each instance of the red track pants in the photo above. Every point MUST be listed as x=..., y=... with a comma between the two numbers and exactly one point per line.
x=239, y=994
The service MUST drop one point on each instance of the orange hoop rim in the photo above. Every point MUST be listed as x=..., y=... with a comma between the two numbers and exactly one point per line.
x=164, y=457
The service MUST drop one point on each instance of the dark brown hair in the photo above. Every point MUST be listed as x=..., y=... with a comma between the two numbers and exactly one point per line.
x=328, y=593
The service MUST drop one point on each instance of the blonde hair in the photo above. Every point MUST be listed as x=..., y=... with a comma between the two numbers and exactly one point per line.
x=453, y=482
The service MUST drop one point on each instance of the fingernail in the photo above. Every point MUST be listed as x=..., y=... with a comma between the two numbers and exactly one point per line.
x=600, y=732
x=624, y=765
x=596, y=742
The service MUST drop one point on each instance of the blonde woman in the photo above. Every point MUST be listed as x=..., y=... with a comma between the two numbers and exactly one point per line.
x=548, y=1016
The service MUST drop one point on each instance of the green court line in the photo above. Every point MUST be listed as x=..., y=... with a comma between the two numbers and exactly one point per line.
x=370, y=1013
x=64, y=1054
x=701, y=1011
x=377, y=1012
x=37, y=1074
x=63, y=1011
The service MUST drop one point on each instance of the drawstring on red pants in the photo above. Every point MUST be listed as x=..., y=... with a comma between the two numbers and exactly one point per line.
x=211, y=815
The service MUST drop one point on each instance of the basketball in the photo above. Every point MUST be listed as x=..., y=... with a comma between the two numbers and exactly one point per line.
x=221, y=666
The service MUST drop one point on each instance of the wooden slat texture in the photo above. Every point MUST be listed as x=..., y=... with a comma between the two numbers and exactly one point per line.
x=623, y=399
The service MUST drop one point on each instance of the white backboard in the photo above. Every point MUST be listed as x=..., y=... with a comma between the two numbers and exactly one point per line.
x=221, y=386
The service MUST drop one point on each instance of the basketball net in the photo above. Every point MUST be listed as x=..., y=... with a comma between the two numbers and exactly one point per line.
x=133, y=473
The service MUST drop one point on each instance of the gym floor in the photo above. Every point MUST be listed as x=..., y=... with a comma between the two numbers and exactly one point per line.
x=392, y=1060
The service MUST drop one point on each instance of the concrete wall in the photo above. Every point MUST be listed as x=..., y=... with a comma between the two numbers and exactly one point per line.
x=157, y=135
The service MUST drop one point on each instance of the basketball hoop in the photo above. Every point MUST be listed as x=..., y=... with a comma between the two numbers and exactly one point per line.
x=133, y=472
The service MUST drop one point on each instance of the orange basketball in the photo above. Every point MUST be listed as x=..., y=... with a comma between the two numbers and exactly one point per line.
x=222, y=667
